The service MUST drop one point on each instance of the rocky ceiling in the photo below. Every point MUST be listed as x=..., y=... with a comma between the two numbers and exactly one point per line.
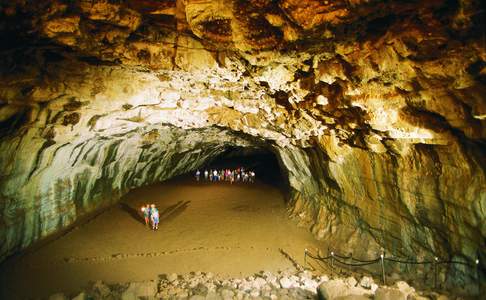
x=376, y=110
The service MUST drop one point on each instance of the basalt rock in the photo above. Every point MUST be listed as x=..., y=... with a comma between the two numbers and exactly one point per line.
x=375, y=109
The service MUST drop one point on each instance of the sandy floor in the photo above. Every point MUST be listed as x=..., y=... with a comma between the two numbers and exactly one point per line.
x=230, y=230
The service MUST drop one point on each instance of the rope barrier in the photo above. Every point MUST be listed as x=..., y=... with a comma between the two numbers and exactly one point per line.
x=410, y=262
x=358, y=264
x=334, y=257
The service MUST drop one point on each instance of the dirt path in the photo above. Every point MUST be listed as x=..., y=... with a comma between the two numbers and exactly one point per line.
x=230, y=230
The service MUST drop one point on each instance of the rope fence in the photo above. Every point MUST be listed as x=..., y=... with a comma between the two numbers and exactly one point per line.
x=341, y=259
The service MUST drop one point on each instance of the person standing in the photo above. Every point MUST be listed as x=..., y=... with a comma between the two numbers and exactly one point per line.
x=206, y=175
x=146, y=214
x=154, y=212
x=198, y=175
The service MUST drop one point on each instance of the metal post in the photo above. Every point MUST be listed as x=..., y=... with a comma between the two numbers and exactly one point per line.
x=305, y=257
x=435, y=271
x=332, y=262
x=477, y=277
x=382, y=257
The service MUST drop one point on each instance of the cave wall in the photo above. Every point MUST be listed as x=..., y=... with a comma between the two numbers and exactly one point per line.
x=408, y=203
x=375, y=109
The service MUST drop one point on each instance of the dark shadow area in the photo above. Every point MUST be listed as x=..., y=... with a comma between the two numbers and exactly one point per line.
x=132, y=212
x=263, y=162
x=173, y=211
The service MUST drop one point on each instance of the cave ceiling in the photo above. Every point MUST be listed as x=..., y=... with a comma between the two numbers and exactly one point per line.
x=368, y=73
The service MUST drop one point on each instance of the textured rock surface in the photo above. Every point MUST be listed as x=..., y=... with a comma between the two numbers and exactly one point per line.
x=375, y=109
x=263, y=285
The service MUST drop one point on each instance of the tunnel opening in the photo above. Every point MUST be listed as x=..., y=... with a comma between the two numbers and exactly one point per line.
x=263, y=162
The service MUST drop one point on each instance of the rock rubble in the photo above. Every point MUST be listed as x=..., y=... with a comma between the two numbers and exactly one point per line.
x=263, y=285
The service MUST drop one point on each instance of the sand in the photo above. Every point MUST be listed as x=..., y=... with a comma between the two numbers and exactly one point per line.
x=229, y=230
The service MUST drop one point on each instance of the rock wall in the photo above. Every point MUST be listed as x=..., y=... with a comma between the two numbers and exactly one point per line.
x=375, y=109
x=408, y=203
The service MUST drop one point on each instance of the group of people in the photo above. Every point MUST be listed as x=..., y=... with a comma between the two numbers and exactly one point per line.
x=237, y=175
x=151, y=216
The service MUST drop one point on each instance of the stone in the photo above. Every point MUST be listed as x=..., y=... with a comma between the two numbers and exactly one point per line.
x=101, y=289
x=258, y=283
x=172, y=277
x=285, y=282
x=227, y=294
x=339, y=288
x=200, y=289
x=384, y=293
x=213, y=296
x=404, y=287
x=351, y=281
x=366, y=282
x=137, y=290
x=309, y=284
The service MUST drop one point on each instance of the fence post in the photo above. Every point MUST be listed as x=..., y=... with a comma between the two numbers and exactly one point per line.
x=305, y=257
x=436, y=259
x=477, y=277
x=332, y=262
x=382, y=257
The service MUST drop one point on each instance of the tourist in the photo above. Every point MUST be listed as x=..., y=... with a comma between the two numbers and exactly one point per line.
x=215, y=175
x=206, y=173
x=198, y=174
x=146, y=214
x=154, y=212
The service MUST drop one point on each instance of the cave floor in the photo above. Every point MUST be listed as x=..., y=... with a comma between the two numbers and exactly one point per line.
x=229, y=230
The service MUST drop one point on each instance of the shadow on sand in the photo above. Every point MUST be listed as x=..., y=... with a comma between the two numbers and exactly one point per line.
x=173, y=211
x=132, y=212
x=169, y=213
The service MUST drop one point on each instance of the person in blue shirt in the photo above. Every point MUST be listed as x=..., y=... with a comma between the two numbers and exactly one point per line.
x=154, y=212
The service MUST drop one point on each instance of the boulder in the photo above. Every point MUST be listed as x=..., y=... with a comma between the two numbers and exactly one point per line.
x=285, y=282
x=404, y=287
x=366, y=282
x=138, y=290
x=351, y=281
x=339, y=288
x=172, y=277
x=386, y=293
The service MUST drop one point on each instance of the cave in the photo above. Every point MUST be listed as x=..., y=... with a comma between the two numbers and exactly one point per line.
x=364, y=122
